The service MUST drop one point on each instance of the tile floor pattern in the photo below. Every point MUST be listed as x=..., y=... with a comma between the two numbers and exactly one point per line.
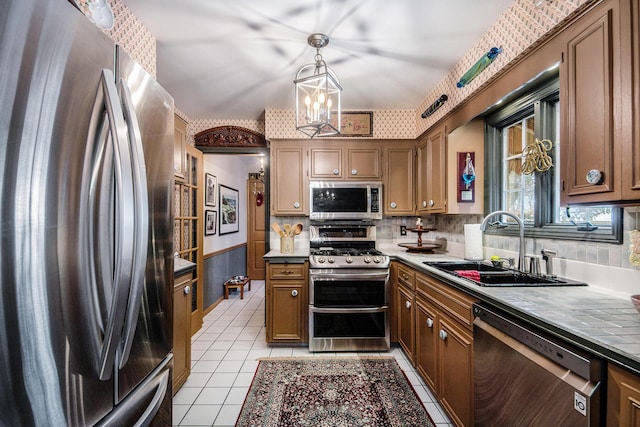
x=225, y=352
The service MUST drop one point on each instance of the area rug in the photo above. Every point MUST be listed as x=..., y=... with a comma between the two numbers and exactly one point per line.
x=319, y=391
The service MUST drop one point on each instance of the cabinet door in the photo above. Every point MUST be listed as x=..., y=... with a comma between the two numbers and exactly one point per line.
x=455, y=387
x=631, y=162
x=623, y=397
x=326, y=163
x=363, y=163
x=432, y=173
x=399, y=190
x=406, y=321
x=588, y=79
x=289, y=181
x=288, y=311
x=179, y=146
x=426, y=342
x=181, y=330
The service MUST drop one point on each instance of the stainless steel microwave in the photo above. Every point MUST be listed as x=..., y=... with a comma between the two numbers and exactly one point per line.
x=345, y=200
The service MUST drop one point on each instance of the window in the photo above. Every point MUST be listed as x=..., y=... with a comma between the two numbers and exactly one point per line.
x=525, y=118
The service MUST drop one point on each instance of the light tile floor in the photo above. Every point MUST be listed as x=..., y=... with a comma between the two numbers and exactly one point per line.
x=225, y=355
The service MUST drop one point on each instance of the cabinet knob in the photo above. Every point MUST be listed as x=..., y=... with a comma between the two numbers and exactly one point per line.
x=429, y=322
x=187, y=290
x=407, y=304
x=296, y=205
x=354, y=171
x=424, y=203
x=594, y=177
x=286, y=272
x=336, y=172
x=443, y=334
x=394, y=205
x=294, y=293
x=431, y=203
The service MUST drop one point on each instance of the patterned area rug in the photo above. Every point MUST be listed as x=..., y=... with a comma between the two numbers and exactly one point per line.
x=315, y=391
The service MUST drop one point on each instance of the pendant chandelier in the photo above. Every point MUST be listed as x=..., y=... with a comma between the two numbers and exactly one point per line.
x=317, y=94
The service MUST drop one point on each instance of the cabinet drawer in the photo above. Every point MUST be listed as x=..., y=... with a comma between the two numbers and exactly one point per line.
x=407, y=277
x=456, y=304
x=287, y=271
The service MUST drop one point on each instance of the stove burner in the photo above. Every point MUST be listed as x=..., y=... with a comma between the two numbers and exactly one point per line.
x=348, y=257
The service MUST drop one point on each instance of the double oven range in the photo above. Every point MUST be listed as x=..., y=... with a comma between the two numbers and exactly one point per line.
x=348, y=289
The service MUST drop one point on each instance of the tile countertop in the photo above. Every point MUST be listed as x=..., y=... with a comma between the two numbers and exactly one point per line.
x=591, y=318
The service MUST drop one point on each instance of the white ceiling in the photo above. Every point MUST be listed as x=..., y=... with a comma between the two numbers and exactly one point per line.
x=232, y=59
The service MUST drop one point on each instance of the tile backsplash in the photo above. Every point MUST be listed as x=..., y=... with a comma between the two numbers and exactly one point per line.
x=600, y=264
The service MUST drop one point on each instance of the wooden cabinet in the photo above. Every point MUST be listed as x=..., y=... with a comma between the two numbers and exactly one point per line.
x=188, y=210
x=444, y=345
x=399, y=178
x=333, y=160
x=431, y=177
x=596, y=108
x=287, y=303
x=631, y=162
x=405, y=310
x=289, y=178
x=623, y=398
x=181, y=330
x=179, y=146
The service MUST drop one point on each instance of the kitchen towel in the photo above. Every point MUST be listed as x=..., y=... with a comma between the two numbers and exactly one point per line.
x=472, y=242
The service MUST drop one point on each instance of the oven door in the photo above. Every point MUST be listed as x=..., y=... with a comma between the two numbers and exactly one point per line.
x=349, y=288
x=348, y=310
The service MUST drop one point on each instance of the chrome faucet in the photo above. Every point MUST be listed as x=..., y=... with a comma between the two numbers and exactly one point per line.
x=486, y=222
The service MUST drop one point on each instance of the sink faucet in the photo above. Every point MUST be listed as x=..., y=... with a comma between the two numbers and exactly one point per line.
x=486, y=222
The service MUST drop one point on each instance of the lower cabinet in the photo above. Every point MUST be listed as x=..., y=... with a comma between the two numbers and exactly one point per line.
x=623, y=398
x=435, y=329
x=287, y=303
x=181, y=330
x=406, y=321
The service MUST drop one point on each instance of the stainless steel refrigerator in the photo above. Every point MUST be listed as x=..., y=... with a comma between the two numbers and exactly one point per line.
x=86, y=177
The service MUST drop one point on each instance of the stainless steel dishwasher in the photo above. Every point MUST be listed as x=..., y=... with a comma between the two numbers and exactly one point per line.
x=522, y=378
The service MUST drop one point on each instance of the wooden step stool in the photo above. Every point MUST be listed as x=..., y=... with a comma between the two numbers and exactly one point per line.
x=236, y=283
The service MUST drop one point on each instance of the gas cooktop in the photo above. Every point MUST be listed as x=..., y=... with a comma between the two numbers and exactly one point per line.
x=330, y=257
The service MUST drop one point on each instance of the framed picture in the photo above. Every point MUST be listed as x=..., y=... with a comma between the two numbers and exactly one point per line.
x=228, y=210
x=356, y=123
x=210, y=222
x=210, y=195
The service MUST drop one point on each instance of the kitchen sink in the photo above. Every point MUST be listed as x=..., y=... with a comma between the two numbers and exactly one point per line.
x=485, y=274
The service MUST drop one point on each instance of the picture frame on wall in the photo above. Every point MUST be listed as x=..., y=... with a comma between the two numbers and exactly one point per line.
x=355, y=123
x=210, y=222
x=210, y=195
x=228, y=210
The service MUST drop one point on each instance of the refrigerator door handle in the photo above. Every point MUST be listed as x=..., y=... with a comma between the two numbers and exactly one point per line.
x=148, y=395
x=110, y=282
x=141, y=218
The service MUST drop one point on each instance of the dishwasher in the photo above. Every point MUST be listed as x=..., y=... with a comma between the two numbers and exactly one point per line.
x=524, y=378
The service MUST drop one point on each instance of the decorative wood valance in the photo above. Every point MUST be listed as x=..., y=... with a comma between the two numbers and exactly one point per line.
x=229, y=136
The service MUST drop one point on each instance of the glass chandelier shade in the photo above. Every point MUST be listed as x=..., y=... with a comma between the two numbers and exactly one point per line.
x=317, y=95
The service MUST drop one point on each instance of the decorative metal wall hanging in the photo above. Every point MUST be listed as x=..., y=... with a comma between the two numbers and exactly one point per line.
x=433, y=107
x=535, y=157
x=479, y=66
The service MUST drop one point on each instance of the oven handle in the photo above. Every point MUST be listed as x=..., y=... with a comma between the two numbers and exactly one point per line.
x=348, y=310
x=363, y=275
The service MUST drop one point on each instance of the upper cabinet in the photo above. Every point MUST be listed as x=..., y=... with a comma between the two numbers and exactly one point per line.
x=431, y=178
x=289, y=180
x=599, y=151
x=351, y=160
x=179, y=146
x=631, y=163
x=467, y=139
x=398, y=179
